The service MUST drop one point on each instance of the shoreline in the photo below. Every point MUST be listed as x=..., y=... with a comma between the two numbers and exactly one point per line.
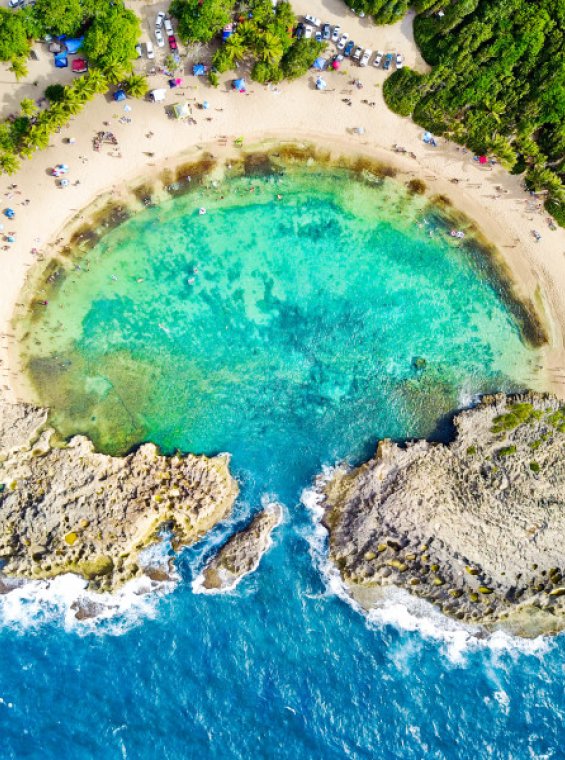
x=524, y=288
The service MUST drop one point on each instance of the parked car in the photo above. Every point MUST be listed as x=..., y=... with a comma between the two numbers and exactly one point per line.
x=168, y=26
x=335, y=34
x=138, y=50
x=159, y=20
x=387, y=62
x=378, y=58
x=348, y=48
x=326, y=31
x=358, y=53
x=318, y=36
x=308, y=32
x=366, y=57
x=313, y=20
x=399, y=61
x=299, y=31
x=173, y=42
x=342, y=40
x=15, y=3
x=150, y=53
x=159, y=37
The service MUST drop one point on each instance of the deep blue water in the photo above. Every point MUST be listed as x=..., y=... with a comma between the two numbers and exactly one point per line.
x=293, y=347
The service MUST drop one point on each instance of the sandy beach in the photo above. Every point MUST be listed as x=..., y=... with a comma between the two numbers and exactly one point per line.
x=149, y=142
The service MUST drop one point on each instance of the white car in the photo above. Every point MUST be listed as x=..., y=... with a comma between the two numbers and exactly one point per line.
x=159, y=37
x=159, y=20
x=168, y=26
x=365, y=58
x=149, y=50
x=357, y=53
x=308, y=32
x=399, y=61
x=378, y=59
x=14, y=3
x=138, y=50
x=342, y=41
x=313, y=20
x=335, y=34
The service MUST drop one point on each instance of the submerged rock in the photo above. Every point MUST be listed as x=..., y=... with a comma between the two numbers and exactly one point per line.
x=70, y=509
x=473, y=527
x=243, y=551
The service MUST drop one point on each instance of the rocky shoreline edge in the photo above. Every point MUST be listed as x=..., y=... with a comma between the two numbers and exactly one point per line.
x=67, y=509
x=476, y=527
x=242, y=552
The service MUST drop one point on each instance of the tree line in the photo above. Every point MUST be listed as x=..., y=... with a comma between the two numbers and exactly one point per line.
x=110, y=31
x=263, y=36
x=497, y=84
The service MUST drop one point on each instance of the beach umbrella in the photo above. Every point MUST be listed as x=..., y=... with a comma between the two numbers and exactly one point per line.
x=336, y=65
x=483, y=159
x=319, y=64
x=11, y=239
x=119, y=95
x=427, y=137
x=239, y=84
x=199, y=69
x=320, y=84
x=10, y=213
x=205, y=105
x=127, y=108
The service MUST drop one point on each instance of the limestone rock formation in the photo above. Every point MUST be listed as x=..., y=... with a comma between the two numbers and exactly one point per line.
x=70, y=509
x=242, y=553
x=476, y=527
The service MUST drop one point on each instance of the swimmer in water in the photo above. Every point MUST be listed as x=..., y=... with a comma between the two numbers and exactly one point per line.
x=202, y=211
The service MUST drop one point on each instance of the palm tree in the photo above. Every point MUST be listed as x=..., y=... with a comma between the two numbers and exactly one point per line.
x=269, y=48
x=19, y=68
x=114, y=72
x=137, y=85
x=28, y=107
x=9, y=163
x=96, y=82
x=235, y=47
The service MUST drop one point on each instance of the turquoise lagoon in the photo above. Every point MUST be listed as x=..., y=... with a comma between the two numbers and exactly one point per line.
x=292, y=331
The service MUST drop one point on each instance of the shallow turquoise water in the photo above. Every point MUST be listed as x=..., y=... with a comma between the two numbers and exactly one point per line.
x=294, y=346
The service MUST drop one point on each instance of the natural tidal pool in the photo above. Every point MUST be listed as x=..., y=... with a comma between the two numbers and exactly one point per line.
x=301, y=318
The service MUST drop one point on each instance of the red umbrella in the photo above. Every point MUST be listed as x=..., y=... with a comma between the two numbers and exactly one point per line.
x=335, y=65
x=483, y=159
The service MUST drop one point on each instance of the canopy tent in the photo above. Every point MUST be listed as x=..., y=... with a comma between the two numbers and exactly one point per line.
x=10, y=213
x=74, y=45
x=181, y=110
x=199, y=69
x=321, y=84
x=158, y=95
x=227, y=32
x=119, y=95
x=79, y=66
x=483, y=160
x=61, y=61
x=239, y=85
x=319, y=64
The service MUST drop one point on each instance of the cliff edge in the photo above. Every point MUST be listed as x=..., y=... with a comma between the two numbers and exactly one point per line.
x=476, y=527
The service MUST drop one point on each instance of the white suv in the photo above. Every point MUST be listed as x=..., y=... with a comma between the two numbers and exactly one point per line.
x=313, y=20
x=168, y=26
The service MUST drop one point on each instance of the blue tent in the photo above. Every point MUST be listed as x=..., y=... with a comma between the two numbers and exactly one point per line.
x=120, y=95
x=10, y=213
x=319, y=64
x=239, y=84
x=74, y=45
x=61, y=61
x=199, y=70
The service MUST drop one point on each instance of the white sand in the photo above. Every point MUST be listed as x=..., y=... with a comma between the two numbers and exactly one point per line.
x=292, y=111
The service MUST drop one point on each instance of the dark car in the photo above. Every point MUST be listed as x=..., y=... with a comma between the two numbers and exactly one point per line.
x=348, y=48
x=299, y=31
x=172, y=42
x=326, y=31
x=387, y=62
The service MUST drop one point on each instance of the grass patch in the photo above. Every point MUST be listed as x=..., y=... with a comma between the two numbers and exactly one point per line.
x=517, y=415
x=506, y=451
x=534, y=467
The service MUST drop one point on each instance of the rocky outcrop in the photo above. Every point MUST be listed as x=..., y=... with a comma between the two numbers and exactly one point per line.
x=70, y=509
x=243, y=551
x=476, y=527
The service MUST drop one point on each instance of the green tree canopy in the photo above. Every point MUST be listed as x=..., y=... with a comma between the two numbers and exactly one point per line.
x=14, y=42
x=110, y=40
x=60, y=16
x=200, y=21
